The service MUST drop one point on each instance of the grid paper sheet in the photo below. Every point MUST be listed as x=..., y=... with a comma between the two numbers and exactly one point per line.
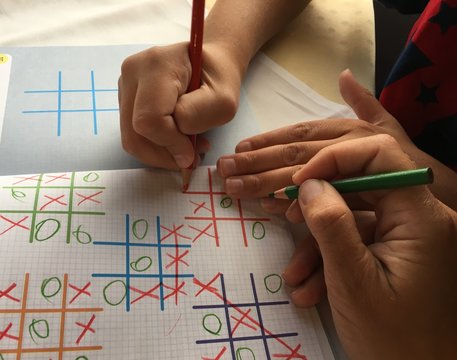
x=119, y=264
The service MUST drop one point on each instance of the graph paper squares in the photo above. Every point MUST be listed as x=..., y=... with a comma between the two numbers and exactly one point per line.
x=210, y=208
x=242, y=323
x=41, y=203
x=58, y=327
x=161, y=261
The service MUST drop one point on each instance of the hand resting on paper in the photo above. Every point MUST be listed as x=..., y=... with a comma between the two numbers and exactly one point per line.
x=390, y=279
x=266, y=162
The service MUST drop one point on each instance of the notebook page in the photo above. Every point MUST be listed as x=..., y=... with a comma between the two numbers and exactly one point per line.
x=119, y=264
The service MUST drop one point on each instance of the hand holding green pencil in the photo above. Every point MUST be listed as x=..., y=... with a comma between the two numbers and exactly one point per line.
x=389, y=180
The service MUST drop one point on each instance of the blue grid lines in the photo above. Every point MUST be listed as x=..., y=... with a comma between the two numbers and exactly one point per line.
x=60, y=111
x=128, y=275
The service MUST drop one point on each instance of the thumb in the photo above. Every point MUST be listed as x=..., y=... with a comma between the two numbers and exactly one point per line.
x=361, y=100
x=333, y=225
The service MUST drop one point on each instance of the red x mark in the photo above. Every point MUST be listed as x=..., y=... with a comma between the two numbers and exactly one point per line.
x=206, y=287
x=202, y=232
x=173, y=232
x=175, y=291
x=218, y=357
x=200, y=206
x=52, y=200
x=148, y=293
x=14, y=224
x=79, y=291
x=55, y=177
x=9, y=289
x=240, y=321
x=4, y=333
x=293, y=355
x=34, y=177
x=86, y=328
x=177, y=259
x=90, y=197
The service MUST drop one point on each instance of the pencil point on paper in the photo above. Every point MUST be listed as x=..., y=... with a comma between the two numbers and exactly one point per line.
x=186, y=174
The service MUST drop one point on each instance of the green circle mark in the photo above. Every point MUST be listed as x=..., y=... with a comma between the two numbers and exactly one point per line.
x=34, y=331
x=244, y=349
x=47, y=282
x=269, y=281
x=226, y=202
x=207, y=328
x=135, y=265
x=105, y=296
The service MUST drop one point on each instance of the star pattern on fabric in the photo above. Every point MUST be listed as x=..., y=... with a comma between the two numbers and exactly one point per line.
x=446, y=17
x=412, y=60
x=421, y=90
x=427, y=94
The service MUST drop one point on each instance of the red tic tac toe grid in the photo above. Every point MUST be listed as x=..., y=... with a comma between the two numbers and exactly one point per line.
x=52, y=331
x=211, y=207
x=45, y=205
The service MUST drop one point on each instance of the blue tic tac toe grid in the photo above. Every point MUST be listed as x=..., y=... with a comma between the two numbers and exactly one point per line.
x=157, y=246
x=264, y=334
x=59, y=111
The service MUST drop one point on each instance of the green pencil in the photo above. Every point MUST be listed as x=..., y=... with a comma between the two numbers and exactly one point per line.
x=390, y=180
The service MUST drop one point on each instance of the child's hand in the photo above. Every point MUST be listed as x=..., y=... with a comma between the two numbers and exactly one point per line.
x=157, y=114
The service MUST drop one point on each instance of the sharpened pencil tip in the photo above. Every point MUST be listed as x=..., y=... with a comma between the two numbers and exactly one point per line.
x=186, y=175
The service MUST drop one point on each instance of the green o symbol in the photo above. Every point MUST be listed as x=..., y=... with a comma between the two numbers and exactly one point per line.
x=141, y=264
x=273, y=283
x=212, y=324
x=242, y=352
x=226, y=202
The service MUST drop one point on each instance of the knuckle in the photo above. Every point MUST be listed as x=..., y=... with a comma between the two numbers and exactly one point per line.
x=386, y=139
x=142, y=123
x=300, y=132
x=246, y=161
x=128, y=145
x=255, y=184
x=366, y=128
x=291, y=154
x=331, y=216
x=128, y=65
x=228, y=105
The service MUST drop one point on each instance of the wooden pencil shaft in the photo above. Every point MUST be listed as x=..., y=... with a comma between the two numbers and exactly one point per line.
x=382, y=181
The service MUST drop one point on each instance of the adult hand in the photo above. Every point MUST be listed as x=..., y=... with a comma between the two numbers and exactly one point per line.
x=156, y=113
x=266, y=162
x=391, y=287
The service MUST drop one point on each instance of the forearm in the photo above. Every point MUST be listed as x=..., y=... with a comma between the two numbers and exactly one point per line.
x=243, y=26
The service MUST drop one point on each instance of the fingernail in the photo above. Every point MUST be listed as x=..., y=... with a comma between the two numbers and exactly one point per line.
x=243, y=146
x=227, y=166
x=311, y=189
x=183, y=161
x=233, y=186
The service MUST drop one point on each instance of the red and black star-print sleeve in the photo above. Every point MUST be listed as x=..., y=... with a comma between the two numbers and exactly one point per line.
x=421, y=90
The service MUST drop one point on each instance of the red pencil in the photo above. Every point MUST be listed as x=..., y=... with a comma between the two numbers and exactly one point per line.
x=195, y=55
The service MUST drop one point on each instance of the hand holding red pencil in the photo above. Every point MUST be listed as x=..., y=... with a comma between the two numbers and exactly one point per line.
x=157, y=111
x=195, y=56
